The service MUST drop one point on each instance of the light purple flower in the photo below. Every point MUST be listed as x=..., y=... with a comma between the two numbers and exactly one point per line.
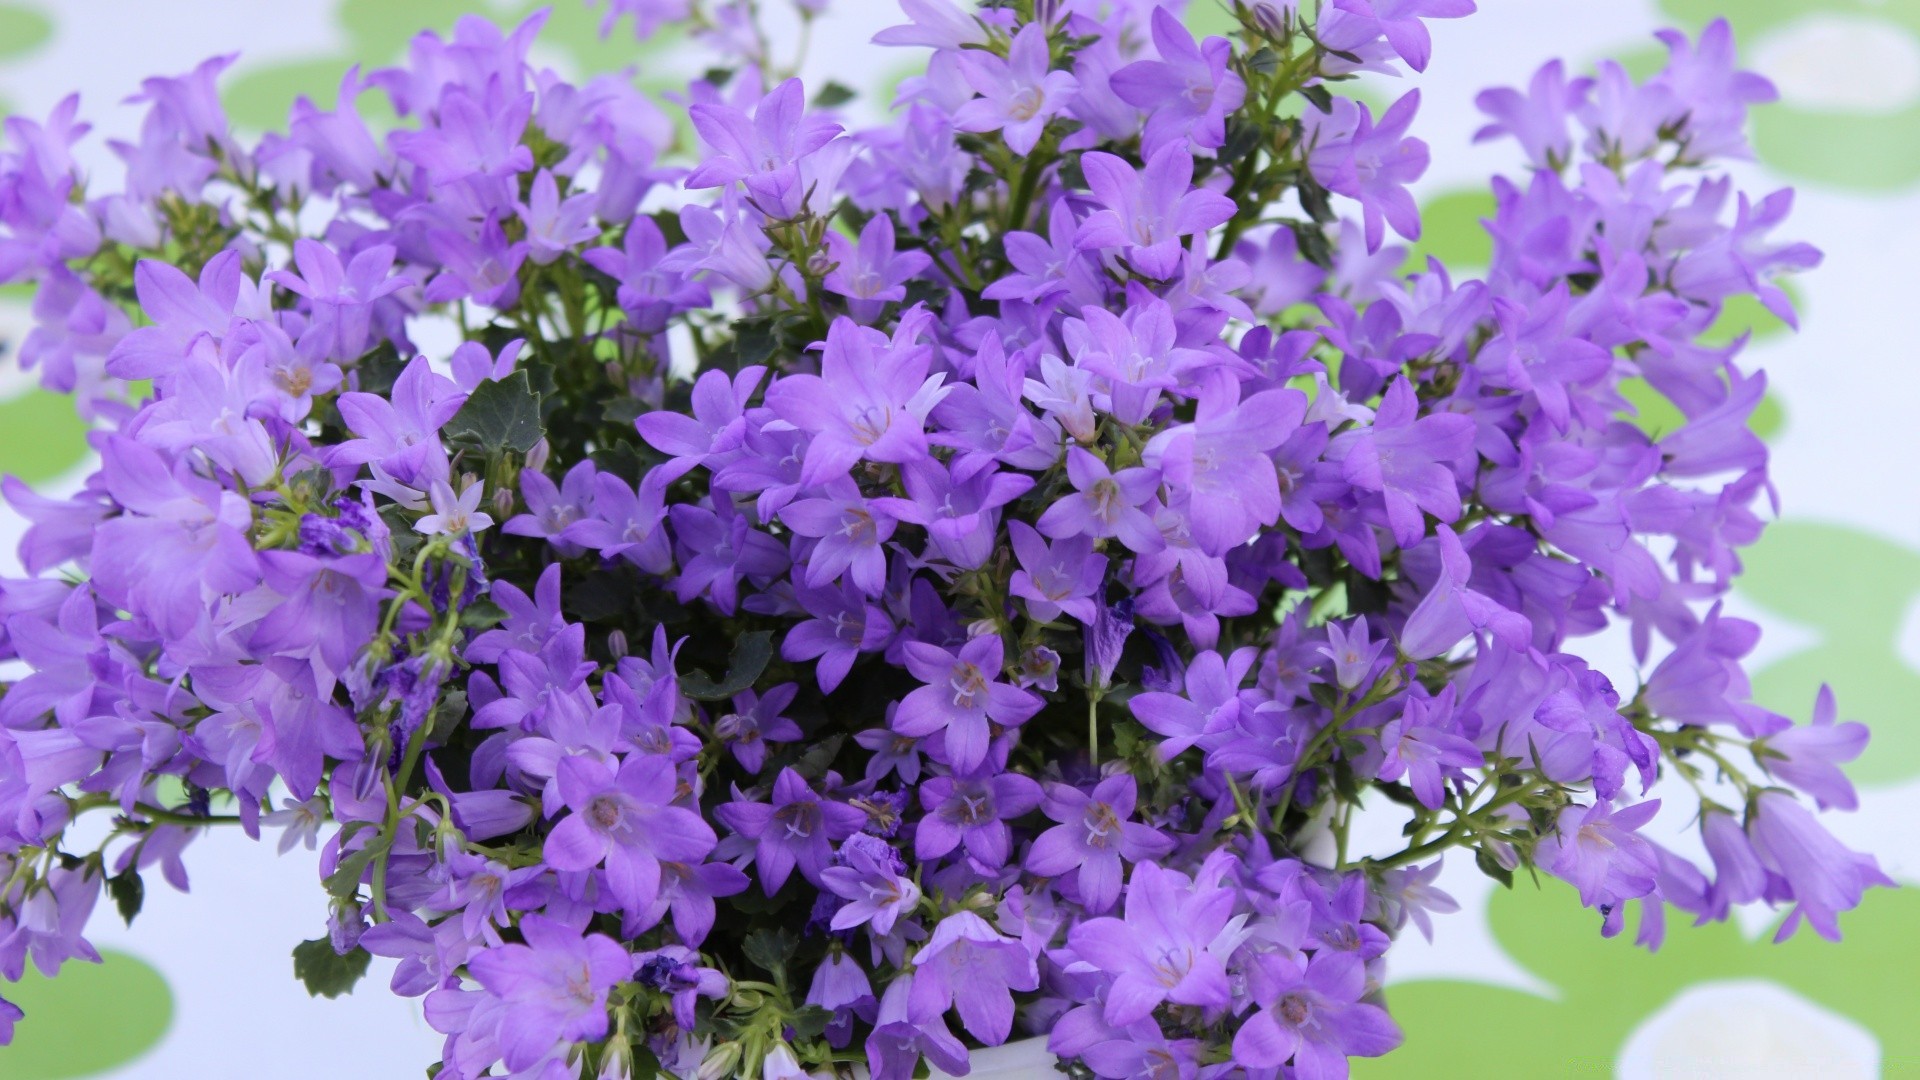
x=627, y=821
x=1096, y=836
x=1148, y=212
x=1018, y=94
x=965, y=697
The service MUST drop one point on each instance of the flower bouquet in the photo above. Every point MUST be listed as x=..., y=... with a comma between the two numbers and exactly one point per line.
x=755, y=598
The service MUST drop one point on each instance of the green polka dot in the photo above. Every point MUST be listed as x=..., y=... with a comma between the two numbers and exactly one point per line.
x=1853, y=590
x=92, y=1018
x=1450, y=229
x=1601, y=989
x=22, y=30
x=41, y=437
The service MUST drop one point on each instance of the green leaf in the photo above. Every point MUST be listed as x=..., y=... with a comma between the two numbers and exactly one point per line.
x=770, y=949
x=345, y=879
x=810, y=1021
x=754, y=342
x=833, y=95
x=326, y=973
x=128, y=893
x=1491, y=867
x=499, y=415
x=748, y=659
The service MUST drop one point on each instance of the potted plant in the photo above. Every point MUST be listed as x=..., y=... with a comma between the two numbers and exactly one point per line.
x=856, y=597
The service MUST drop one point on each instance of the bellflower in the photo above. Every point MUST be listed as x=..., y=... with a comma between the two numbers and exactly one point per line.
x=904, y=521
x=963, y=697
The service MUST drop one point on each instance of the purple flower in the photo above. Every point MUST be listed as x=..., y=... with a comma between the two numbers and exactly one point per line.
x=555, y=227
x=972, y=811
x=799, y=828
x=1105, y=504
x=1018, y=95
x=1352, y=654
x=933, y=24
x=1095, y=836
x=339, y=299
x=1221, y=462
x=329, y=609
x=649, y=293
x=1399, y=22
x=1536, y=120
x=1370, y=163
x=1187, y=93
x=1809, y=757
x=870, y=274
x=1167, y=947
x=964, y=697
x=713, y=432
x=555, y=987
x=625, y=523
x=676, y=971
x=717, y=548
x=1738, y=877
x=687, y=891
x=454, y=515
x=763, y=151
x=1315, y=1017
x=969, y=966
x=870, y=401
x=1807, y=866
x=1404, y=457
x=756, y=721
x=1452, y=609
x=851, y=532
x=627, y=821
x=551, y=509
x=1423, y=745
x=1063, y=576
x=1147, y=212
x=843, y=625
x=959, y=510
x=899, y=1042
x=870, y=876
x=1210, y=706
x=181, y=539
x=1600, y=852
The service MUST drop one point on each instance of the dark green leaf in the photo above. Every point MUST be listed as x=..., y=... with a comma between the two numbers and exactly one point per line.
x=603, y=596
x=499, y=415
x=128, y=893
x=1318, y=94
x=345, y=879
x=769, y=949
x=833, y=95
x=810, y=1021
x=622, y=411
x=1491, y=867
x=482, y=614
x=819, y=756
x=748, y=659
x=754, y=342
x=326, y=973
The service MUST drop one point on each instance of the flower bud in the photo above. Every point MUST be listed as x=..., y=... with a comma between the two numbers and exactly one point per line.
x=719, y=1062
x=537, y=457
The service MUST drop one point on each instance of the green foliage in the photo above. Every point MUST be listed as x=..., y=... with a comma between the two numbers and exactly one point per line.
x=500, y=415
x=326, y=973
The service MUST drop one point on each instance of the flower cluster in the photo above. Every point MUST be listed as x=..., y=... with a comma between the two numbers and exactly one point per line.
x=853, y=595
